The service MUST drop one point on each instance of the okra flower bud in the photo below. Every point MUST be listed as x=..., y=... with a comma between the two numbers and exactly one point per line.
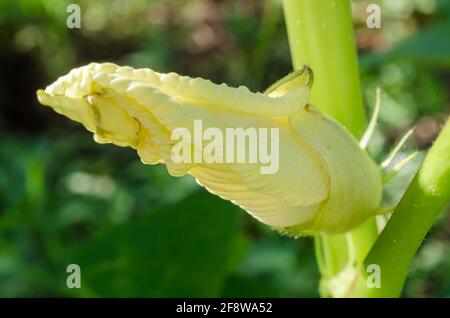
x=322, y=182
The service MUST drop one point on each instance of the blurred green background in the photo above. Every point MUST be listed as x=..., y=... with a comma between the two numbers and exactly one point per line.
x=133, y=229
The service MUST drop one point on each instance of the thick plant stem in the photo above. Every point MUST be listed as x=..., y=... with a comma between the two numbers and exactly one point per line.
x=321, y=35
x=427, y=195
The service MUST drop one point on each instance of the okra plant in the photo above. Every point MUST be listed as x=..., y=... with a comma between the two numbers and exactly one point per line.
x=313, y=179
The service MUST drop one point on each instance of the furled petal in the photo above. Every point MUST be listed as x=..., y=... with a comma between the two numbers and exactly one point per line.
x=355, y=181
x=141, y=108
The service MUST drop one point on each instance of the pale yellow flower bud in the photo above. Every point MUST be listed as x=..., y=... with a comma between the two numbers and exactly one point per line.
x=324, y=182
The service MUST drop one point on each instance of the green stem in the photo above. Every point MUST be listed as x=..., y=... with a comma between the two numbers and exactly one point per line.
x=426, y=197
x=321, y=35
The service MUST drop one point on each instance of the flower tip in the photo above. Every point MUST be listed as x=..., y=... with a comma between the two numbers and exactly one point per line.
x=310, y=75
x=43, y=97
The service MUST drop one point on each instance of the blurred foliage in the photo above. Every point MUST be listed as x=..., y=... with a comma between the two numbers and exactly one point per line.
x=147, y=259
x=135, y=230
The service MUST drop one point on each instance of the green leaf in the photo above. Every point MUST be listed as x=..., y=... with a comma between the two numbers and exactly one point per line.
x=182, y=250
x=427, y=47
